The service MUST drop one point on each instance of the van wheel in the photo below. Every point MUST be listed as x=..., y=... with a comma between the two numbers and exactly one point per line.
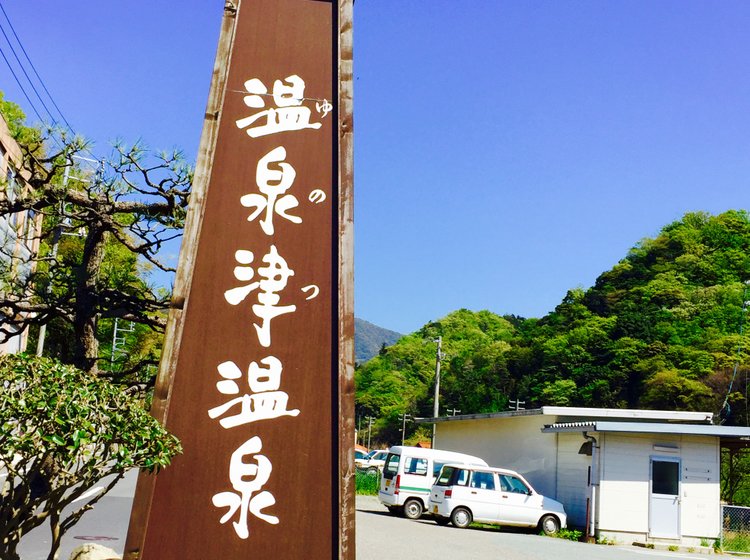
x=413, y=509
x=549, y=524
x=461, y=517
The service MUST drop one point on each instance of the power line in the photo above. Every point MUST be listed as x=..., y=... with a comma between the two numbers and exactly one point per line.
x=20, y=85
x=31, y=83
x=20, y=65
x=20, y=44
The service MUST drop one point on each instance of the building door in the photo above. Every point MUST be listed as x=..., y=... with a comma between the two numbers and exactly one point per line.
x=664, y=510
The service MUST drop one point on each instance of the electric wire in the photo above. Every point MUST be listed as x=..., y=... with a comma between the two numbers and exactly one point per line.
x=41, y=82
x=20, y=44
x=26, y=95
x=20, y=85
x=21, y=66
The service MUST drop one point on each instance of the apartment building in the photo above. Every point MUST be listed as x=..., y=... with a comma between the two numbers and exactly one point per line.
x=19, y=233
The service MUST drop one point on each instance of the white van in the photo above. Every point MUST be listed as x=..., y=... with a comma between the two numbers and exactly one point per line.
x=410, y=472
x=463, y=494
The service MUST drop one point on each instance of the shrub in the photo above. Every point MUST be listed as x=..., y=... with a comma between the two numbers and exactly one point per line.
x=367, y=484
x=569, y=534
x=61, y=431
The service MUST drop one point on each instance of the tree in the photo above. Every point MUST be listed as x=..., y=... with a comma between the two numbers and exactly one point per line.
x=122, y=212
x=64, y=430
x=669, y=390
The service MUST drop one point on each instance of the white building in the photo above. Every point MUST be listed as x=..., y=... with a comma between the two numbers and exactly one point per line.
x=627, y=475
x=19, y=233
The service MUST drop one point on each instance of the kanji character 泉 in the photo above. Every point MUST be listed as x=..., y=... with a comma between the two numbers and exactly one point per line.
x=289, y=114
x=246, y=479
x=273, y=183
x=265, y=400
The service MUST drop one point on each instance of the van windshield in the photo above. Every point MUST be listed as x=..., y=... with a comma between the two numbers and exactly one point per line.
x=391, y=465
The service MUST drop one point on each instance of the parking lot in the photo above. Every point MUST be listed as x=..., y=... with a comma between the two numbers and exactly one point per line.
x=380, y=535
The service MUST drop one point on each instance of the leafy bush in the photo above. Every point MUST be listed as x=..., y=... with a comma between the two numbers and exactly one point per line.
x=568, y=534
x=62, y=431
x=367, y=484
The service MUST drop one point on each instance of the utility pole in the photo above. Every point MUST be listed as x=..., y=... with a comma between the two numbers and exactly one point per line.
x=404, y=417
x=369, y=429
x=517, y=405
x=435, y=411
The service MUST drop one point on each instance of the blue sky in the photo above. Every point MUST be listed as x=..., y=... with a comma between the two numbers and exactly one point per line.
x=505, y=152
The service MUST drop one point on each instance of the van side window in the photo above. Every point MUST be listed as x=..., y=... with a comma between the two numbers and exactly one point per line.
x=483, y=480
x=462, y=477
x=414, y=465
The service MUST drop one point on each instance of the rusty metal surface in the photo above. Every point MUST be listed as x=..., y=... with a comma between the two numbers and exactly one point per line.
x=310, y=451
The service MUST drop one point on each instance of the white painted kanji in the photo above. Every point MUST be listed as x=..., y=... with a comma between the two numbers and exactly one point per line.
x=263, y=401
x=272, y=183
x=247, y=478
x=287, y=115
x=274, y=278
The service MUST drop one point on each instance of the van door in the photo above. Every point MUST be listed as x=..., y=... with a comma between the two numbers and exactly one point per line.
x=390, y=471
x=415, y=479
x=518, y=504
x=483, y=496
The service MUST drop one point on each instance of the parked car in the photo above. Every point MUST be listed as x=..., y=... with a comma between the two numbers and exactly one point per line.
x=372, y=462
x=463, y=494
x=359, y=454
x=410, y=472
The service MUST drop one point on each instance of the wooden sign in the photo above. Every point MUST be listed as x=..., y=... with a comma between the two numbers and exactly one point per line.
x=257, y=374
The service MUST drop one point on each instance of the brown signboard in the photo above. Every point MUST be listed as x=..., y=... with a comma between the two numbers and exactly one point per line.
x=256, y=378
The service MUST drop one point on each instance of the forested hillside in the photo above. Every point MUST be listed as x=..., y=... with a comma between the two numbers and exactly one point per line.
x=660, y=329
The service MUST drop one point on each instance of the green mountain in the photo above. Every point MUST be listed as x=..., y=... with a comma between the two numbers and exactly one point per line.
x=369, y=339
x=660, y=329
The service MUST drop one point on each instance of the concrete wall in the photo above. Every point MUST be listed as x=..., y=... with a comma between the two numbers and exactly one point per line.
x=515, y=443
x=624, y=492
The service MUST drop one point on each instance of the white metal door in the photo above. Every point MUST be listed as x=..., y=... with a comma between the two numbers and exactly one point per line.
x=484, y=500
x=664, y=510
x=518, y=505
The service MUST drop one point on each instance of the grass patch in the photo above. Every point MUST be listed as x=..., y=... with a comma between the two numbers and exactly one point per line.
x=367, y=484
x=735, y=542
x=568, y=534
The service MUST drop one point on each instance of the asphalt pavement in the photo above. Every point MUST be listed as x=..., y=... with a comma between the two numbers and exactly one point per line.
x=106, y=524
x=381, y=535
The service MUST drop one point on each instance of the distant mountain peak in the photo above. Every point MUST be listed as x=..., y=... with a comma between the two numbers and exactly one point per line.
x=369, y=339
